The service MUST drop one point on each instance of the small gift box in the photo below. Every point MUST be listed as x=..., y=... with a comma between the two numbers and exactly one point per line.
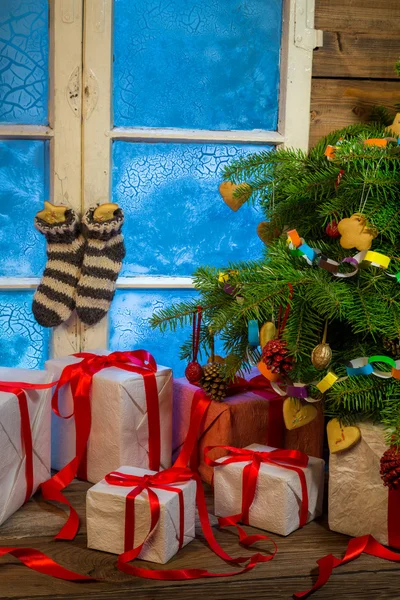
x=252, y=414
x=355, y=483
x=24, y=436
x=275, y=490
x=127, y=416
x=120, y=510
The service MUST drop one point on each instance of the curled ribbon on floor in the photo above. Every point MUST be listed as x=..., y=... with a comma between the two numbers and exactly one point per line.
x=365, y=544
x=169, y=479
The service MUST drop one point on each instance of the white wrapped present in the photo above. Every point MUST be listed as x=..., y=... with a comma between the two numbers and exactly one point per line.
x=106, y=512
x=13, y=456
x=278, y=496
x=119, y=420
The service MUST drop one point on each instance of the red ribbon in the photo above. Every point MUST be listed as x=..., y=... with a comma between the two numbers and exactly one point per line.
x=18, y=389
x=365, y=544
x=260, y=386
x=165, y=480
x=293, y=460
x=80, y=376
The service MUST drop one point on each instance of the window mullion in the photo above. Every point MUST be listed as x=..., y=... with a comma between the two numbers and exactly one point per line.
x=96, y=124
x=65, y=123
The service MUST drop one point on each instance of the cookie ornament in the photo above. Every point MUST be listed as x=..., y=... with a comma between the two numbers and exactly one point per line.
x=341, y=437
x=355, y=233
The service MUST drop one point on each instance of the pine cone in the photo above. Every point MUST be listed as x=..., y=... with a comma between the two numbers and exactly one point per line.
x=390, y=468
x=276, y=357
x=213, y=382
x=392, y=347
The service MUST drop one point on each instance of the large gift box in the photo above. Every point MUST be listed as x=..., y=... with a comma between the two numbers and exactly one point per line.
x=241, y=419
x=359, y=503
x=107, y=514
x=280, y=502
x=119, y=432
x=24, y=465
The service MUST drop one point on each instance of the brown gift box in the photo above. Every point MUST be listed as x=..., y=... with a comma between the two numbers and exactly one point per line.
x=243, y=419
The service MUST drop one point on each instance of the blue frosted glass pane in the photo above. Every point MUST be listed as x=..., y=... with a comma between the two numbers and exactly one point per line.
x=23, y=188
x=176, y=219
x=129, y=328
x=24, y=49
x=23, y=343
x=206, y=64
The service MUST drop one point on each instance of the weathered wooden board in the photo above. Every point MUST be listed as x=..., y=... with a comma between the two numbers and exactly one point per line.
x=358, y=16
x=289, y=572
x=337, y=103
x=357, y=55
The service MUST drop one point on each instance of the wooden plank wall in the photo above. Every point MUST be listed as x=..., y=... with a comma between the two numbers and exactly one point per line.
x=354, y=70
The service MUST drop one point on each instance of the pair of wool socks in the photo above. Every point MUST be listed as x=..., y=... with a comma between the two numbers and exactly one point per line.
x=84, y=260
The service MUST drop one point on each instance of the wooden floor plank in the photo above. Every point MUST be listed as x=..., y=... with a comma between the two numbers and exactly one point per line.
x=358, y=16
x=338, y=103
x=352, y=55
x=293, y=569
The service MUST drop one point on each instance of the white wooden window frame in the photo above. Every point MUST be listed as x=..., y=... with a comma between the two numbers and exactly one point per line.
x=81, y=134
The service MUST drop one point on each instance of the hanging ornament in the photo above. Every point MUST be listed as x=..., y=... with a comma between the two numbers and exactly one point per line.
x=332, y=229
x=394, y=128
x=355, y=233
x=227, y=191
x=267, y=232
x=267, y=333
x=213, y=381
x=341, y=437
x=390, y=468
x=392, y=347
x=296, y=414
x=321, y=356
x=276, y=356
x=194, y=371
x=275, y=359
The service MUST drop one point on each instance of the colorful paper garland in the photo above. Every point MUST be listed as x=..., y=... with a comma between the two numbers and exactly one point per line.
x=298, y=247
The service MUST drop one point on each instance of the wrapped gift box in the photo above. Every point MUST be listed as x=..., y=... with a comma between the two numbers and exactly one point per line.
x=355, y=484
x=278, y=495
x=240, y=420
x=119, y=430
x=105, y=516
x=12, y=462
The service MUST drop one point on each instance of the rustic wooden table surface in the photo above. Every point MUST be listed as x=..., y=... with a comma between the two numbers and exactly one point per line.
x=292, y=570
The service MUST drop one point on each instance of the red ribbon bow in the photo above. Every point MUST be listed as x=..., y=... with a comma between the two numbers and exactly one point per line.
x=293, y=460
x=80, y=376
x=163, y=480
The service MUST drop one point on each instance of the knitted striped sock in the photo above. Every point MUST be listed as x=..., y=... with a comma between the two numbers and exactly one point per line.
x=102, y=263
x=54, y=300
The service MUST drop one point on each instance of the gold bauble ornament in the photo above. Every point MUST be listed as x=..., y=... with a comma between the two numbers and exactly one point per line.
x=321, y=356
x=267, y=333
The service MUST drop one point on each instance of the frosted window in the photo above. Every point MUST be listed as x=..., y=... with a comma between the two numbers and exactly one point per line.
x=204, y=64
x=23, y=343
x=130, y=330
x=176, y=219
x=23, y=188
x=24, y=48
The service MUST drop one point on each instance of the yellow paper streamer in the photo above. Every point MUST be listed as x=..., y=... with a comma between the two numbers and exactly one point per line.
x=327, y=382
x=379, y=259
